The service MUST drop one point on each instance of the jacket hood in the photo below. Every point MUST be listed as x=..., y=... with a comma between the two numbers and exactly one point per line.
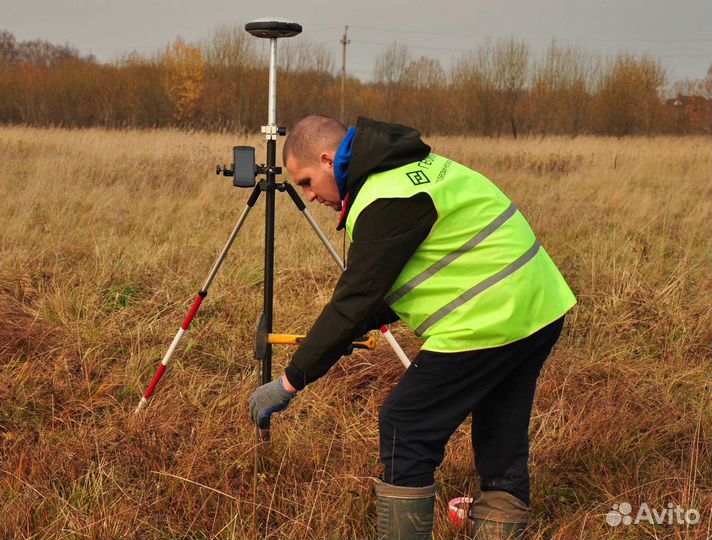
x=379, y=146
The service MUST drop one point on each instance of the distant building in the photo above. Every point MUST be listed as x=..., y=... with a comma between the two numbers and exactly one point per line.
x=689, y=101
x=692, y=114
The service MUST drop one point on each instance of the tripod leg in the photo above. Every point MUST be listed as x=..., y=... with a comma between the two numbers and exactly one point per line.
x=196, y=305
x=303, y=208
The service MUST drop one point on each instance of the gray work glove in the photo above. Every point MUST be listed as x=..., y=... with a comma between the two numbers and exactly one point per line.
x=267, y=399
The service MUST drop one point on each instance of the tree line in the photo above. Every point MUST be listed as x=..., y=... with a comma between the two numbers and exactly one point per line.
x=498, y=89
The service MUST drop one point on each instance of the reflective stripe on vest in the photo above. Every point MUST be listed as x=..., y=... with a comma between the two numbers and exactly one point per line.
x=442, y=263
x=479, y=288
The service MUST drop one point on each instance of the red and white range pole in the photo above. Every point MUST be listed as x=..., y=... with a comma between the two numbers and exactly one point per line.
x=171, y=350
x=196, y=305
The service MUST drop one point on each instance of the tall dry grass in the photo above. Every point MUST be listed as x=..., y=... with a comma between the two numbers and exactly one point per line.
x=108, y=235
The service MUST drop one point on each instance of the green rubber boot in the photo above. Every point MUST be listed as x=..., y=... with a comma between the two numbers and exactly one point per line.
x=498, y=515
x=404, y=512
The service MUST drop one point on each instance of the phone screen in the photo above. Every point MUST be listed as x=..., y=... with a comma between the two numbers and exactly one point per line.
x=244, y=166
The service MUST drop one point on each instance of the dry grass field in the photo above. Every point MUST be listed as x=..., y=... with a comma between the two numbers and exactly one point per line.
x=107, y=236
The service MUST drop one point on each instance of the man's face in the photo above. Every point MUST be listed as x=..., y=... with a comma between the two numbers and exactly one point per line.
x=317, y=179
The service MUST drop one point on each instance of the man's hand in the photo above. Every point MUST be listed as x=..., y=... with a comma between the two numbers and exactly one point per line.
x=267, y=399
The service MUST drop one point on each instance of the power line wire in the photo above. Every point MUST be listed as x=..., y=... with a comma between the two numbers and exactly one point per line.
x=468, y=49
x=532, y=38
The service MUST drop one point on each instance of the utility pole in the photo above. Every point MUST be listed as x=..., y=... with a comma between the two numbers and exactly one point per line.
x=344, y=42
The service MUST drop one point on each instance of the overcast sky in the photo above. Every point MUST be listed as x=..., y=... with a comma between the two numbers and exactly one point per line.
x=678, y=32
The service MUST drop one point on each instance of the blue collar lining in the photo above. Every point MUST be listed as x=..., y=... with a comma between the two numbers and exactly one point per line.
x=341, y=161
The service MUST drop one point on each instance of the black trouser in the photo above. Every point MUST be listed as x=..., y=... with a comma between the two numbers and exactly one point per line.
x=439, y=391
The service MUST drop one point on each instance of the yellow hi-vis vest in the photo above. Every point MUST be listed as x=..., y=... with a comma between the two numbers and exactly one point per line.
x=480, y=279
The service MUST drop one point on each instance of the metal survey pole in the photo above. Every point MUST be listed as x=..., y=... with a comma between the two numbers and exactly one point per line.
x=272, y=29
x=271, y=134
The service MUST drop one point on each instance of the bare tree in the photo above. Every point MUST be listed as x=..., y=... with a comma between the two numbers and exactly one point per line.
x=8, y=48
x=308, y=81
x=301, y=55
x=560, y=90
x=390, y=70
x=694, y=87
x=477, y=98
x=509, y=59
x=231, y=66
x=462, y=77
x=629, y=96
x=492, y=82
x=229, y=47
x=44, y=53
x=426, y=82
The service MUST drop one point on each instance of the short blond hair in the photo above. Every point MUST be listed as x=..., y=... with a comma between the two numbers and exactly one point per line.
x=311, y=136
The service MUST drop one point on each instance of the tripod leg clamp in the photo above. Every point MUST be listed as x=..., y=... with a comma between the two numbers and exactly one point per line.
x=259, y=348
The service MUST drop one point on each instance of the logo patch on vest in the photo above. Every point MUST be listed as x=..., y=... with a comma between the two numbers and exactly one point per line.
x=418, y=177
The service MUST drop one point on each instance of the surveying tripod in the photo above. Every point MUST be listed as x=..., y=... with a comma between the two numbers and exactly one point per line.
x=244, y=172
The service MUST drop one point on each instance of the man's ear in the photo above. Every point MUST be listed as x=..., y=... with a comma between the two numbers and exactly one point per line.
x=327, y=158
